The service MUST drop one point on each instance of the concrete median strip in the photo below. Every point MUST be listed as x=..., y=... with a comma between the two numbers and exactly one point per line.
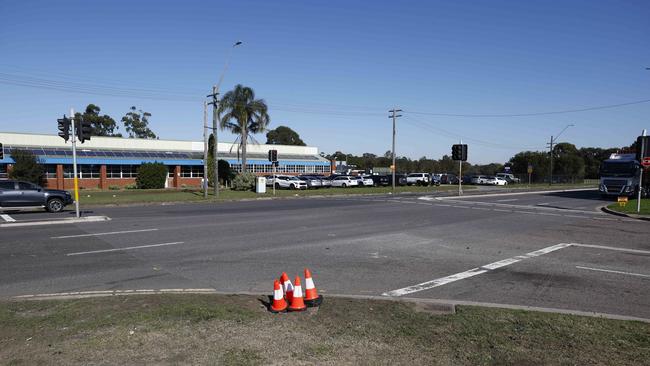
x=56, y=222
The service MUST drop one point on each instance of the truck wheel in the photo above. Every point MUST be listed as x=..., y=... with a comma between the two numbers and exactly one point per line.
x=54, y=205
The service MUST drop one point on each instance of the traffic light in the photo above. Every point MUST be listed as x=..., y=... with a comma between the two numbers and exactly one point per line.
x=459, y=152
x=273, y=156
x=642, y=143
x=64, y=127
x=2, y=151
x=84, y=130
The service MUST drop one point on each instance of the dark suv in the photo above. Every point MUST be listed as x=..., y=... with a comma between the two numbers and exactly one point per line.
x=24, y=194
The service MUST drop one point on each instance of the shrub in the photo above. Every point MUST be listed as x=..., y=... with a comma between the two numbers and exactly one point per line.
x=244, y=182
x=151, y=176
x=114, y=188
x=27, y=167
x=130, y=186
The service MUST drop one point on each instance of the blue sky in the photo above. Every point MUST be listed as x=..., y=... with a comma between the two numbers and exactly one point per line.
x=331, y=70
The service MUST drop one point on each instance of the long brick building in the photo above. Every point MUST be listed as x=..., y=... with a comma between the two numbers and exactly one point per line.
x=113, y=161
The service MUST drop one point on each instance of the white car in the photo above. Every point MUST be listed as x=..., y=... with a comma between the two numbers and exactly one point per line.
x=365, y=181
x=420, y=179
x=345, y=181
x=286, y=181
x=496, y=181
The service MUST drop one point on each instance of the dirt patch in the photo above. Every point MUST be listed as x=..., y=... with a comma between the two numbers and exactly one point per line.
x=237, y=330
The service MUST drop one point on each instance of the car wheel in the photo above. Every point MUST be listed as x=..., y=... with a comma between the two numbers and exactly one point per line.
x=292, y=187
x=54, y=205
x=344, y=185
x=277, y=185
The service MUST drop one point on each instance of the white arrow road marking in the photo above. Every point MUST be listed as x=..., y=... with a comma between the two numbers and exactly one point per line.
x=7, y=218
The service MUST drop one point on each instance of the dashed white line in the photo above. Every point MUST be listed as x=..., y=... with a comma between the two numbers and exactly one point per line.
x=473, y=272
x=7, y=218
x=508, y=200
x=612, y=271
x=123, y=249
x=102, y=234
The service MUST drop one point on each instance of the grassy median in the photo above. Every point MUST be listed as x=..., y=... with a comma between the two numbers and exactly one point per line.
x=96, y=197
x=237, y=330
x=630, y=207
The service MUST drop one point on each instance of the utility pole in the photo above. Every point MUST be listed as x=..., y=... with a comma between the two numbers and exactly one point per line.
x=550, y=173
x=394, y=116
x=205, y=150
x=74, y=162
x=215, y=116
x=553, y=141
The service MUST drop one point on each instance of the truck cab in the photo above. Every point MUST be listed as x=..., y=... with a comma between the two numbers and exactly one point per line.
x=619, y=175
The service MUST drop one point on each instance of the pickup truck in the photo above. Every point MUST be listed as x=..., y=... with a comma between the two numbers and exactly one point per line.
x=18, y=194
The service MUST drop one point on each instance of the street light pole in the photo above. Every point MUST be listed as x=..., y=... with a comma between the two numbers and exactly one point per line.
x=215, y=119
x=205, y=150
x=553, y=140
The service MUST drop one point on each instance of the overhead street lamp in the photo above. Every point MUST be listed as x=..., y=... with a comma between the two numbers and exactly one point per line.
x=550, y=145
x=215, y=123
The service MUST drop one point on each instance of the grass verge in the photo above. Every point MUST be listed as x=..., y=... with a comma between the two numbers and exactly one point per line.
x=630, y=207
x=92, y=197
x=237, y=330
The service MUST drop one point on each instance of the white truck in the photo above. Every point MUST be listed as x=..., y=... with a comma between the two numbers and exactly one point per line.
x=619, y=175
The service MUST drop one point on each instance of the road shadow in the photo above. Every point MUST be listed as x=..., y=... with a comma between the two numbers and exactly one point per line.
x=582, y=195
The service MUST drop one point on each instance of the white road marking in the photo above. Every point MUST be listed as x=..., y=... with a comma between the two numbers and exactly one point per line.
x=636, y=251
x=612, y=271
x=126, y=248
x=473, y=272
x=508, y=200
x=500, y=210
x=102, y=234
x=7, y=218
x=80, y=220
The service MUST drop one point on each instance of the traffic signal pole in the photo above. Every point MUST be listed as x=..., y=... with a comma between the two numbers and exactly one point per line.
x=460, y=174
x=394, y=116
x=74, y=162
x=638, y=200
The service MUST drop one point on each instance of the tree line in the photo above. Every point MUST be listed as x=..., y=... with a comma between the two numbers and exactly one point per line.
x=568, y=161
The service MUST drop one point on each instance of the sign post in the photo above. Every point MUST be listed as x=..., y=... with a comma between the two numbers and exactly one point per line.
x=273, y=158
x=622, y=201
x=530, y=172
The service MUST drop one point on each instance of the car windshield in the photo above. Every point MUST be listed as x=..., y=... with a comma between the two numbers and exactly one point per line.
x=618, y=169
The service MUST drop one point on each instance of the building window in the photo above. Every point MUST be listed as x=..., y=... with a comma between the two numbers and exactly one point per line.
x=50, y=171
x=121, y=171
x=113, y=171
x=192, y=171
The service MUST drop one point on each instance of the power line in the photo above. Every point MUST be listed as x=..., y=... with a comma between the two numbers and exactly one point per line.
x=609, y=106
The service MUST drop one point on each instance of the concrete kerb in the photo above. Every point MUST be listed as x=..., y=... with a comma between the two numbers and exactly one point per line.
x=438, y=306
x=631, y=216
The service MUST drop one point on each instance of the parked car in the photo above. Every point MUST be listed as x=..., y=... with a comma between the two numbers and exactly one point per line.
x=479, y=179
x=419, y=179
x=344, y=181
x=508, y=177
x=312, y=182
x=286, y=181
x=380, y=180
x=496, y=181
x=14, y=194
x=448, y=179
x=365, y=181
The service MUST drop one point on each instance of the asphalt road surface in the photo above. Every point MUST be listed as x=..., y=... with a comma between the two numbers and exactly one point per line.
x=554, y=250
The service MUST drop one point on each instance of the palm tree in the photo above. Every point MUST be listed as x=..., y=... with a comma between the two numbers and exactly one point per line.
x=243, y=115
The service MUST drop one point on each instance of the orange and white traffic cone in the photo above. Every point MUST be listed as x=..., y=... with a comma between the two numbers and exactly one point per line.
x=312, y=299
x=286, y=286
x=297, y=303
x=278, y=305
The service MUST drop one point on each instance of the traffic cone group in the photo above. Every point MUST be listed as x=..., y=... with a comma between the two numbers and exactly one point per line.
x=288, y=296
